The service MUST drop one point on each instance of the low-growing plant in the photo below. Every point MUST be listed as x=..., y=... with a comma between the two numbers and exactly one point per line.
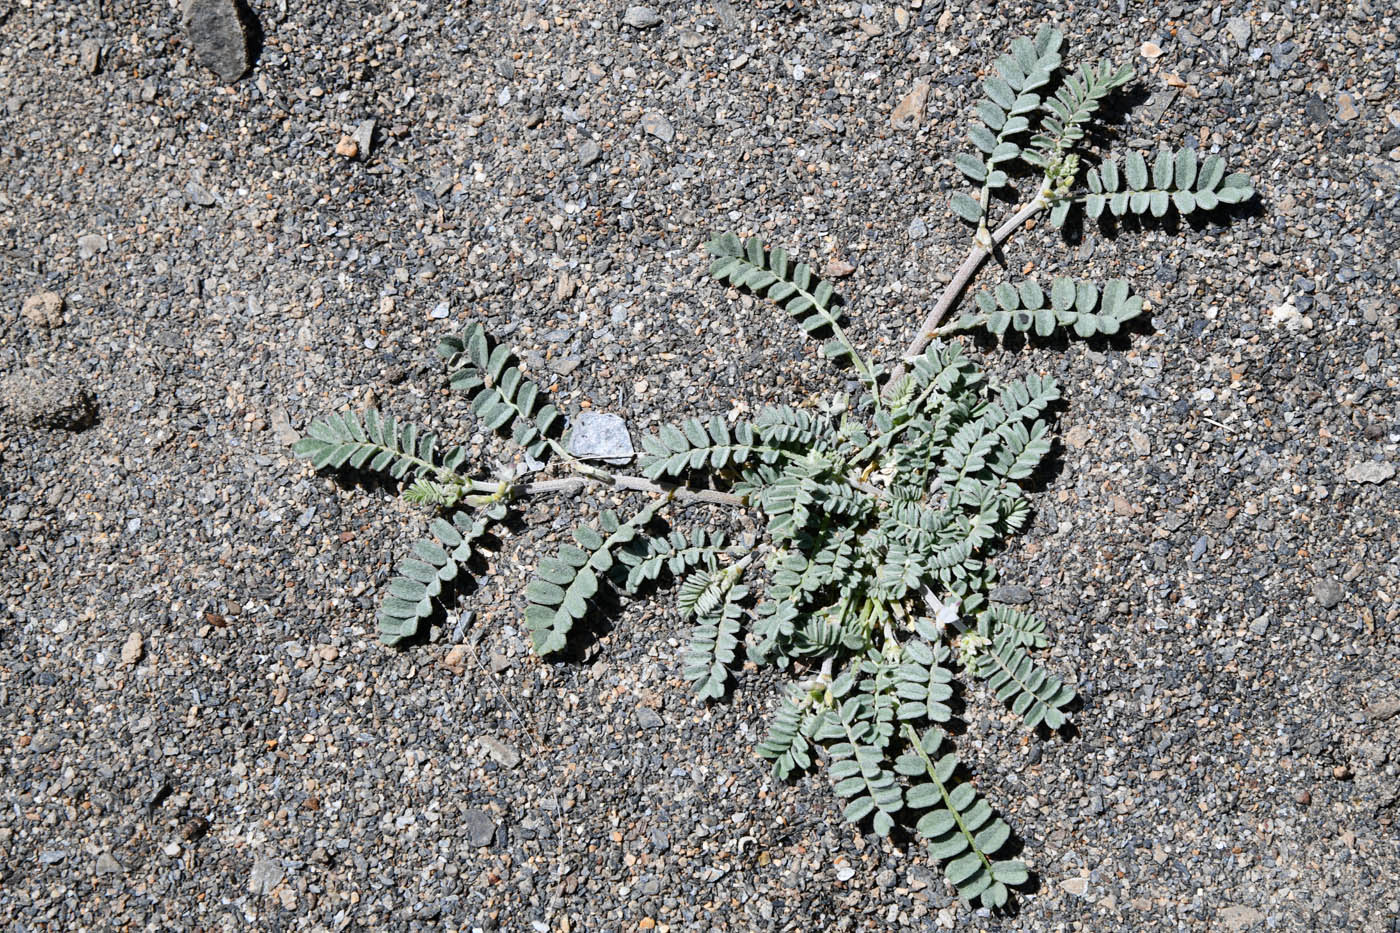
x=882, y=511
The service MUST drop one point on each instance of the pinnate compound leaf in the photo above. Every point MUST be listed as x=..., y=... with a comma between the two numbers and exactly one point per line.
x=959, y=827
x=560, y=592
x=378, y=444
x=1071, y=306
x=1176, y=181
x=795, y=289
x=410, y=596
x=1033, y=693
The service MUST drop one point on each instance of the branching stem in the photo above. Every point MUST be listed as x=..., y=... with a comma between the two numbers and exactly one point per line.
x=632, y=483
x=965, y=272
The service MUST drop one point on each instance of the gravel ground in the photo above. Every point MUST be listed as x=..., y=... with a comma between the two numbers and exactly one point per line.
x=202, y=731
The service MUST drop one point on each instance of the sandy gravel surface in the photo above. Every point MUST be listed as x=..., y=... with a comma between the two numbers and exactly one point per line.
x=202, y=732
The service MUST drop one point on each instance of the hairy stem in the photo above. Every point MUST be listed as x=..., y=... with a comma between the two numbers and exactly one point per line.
x=965, y=272
x=633, y=483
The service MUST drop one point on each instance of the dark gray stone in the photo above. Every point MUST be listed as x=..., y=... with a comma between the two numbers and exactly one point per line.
x=221, y=33
x=1012, y=595
x=480, y=828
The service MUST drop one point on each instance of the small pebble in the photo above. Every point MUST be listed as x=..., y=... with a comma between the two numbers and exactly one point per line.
x=1327, y=592
x=1346, y=107
x=266, y=875
x=91, y=244
x=133, y=649
x=363, y=138
x=1239, y=30
x=504, y=755
x=908, y=113
x=199, y=195
x=1010, y=595
x=480, y=828
x=602, y=436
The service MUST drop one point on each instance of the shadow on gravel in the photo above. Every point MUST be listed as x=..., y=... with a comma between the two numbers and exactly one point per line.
x=1222, y=216
x=583, y=646
x=254, y=28
x=1113, y=115
x=363, y=480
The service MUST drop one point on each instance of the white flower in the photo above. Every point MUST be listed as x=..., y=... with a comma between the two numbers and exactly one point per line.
x=944, y=613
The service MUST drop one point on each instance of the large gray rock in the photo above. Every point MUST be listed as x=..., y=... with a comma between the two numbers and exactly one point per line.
x=1370, y=471
x=480, y=828
x=600, y=436
x=221, y=33
x=641, y=17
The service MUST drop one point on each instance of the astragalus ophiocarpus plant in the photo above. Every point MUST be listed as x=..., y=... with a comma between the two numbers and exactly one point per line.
x=882, y=511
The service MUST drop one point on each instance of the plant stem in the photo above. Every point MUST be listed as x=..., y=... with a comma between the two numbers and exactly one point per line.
x=633, y=483
x=965, y=272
